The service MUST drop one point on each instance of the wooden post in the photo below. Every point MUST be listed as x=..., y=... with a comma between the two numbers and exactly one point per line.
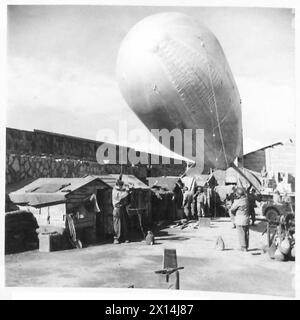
x=177, y=280
x=169, y=280
x=170, y=258
x=139, y=214
x=268, y=233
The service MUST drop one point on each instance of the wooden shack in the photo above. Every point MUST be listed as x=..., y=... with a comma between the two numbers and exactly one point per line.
x=166, y=197
x=50, y=200
x=140, y=196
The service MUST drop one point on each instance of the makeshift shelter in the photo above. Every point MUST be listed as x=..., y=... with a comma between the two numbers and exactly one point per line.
x=167, y=197
x=166, y=182
x=53, y=200
x=20, y=231
x=202, y=180
x=140, y=201
x=189, y=182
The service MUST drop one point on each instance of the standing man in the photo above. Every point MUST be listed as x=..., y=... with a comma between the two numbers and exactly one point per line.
x=120, y=199
x=178, y=199
x=240, y=208
x=276, y=197
x=252, y=205
x=228, y=203
x=187, y=202
x=201, y=201
x=208, y=200
x=264, y=175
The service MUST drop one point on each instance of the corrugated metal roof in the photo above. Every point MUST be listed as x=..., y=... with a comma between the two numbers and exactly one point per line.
x=202, y=179
x=164, y=182
x=249, y=151
x=49, y=190
x=188, y=182
x=129, y=179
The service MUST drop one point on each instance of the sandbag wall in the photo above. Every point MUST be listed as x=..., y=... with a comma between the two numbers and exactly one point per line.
x=20, y=231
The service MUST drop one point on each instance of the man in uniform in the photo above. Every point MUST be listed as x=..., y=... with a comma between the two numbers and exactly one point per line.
x=201, y=202
x=228, y=203
x=240, y=208
x=264, y=175
x=276, y=197
x=120, y=199
x=187, y=202
x=252, y=205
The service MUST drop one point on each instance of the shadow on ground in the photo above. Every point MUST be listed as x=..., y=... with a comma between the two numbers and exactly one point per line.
x=259, y=227
x=173, y=238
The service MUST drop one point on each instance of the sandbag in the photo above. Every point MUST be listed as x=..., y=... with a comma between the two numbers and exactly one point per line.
x=220, y=245
x=278, y=255
x=293, y=252
x=150, y=238
x=285, y=246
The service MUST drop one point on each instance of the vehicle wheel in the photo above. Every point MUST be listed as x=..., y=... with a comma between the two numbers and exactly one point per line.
x=272, y=215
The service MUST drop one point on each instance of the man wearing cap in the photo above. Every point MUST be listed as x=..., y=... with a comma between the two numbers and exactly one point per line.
x=187, y=202
x=201, y=201
x=120, y=219
x=240, y=208
x=252, y=204
x=228, y=203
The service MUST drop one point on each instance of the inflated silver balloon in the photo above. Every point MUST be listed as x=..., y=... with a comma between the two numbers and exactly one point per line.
x=173, y=73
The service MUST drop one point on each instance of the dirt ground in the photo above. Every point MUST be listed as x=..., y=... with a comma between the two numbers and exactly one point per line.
x=133, y=264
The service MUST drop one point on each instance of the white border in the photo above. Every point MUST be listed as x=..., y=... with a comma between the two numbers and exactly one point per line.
x=118, y=294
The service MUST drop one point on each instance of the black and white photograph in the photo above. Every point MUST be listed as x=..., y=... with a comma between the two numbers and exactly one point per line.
x=150, y=146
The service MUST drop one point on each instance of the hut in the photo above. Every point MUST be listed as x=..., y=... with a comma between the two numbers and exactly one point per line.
x=140, y=201
x=57, y=202
x=167, y=197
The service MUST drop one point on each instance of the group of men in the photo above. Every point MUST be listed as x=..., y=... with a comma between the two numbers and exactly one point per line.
x=240, y=205
x=194, y=204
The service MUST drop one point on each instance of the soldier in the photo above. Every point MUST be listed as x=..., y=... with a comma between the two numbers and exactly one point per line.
x=264, y=175
x=120, y=199
x=240, y=208
x=201, y=201
x=252, y=204
x=187, y=202
x=276, y=197
x=228, y=203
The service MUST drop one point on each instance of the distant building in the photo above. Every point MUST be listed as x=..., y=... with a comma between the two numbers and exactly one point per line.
x=279, y=160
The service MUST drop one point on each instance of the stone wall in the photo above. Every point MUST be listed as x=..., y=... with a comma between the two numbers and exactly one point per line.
x=47, y=143
x=40, y=154
x=20, y=167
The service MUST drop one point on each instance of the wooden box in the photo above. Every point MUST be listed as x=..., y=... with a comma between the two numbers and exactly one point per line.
x=204, y=222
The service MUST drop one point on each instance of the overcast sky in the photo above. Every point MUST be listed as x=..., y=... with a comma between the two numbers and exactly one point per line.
x=61, y=67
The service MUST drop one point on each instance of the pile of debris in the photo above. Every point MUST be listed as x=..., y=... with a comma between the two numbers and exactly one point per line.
x=20, y=231
x=185, y=224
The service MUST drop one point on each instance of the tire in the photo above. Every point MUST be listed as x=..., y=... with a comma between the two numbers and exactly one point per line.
x=272, y=214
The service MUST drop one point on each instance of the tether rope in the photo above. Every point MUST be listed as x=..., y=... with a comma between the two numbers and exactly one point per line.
x=216, y=107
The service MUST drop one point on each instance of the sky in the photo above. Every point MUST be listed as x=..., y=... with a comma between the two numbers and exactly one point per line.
x=62, y=59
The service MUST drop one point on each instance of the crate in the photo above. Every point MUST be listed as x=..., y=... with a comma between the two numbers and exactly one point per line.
x=204, y=222
x=50, y=241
